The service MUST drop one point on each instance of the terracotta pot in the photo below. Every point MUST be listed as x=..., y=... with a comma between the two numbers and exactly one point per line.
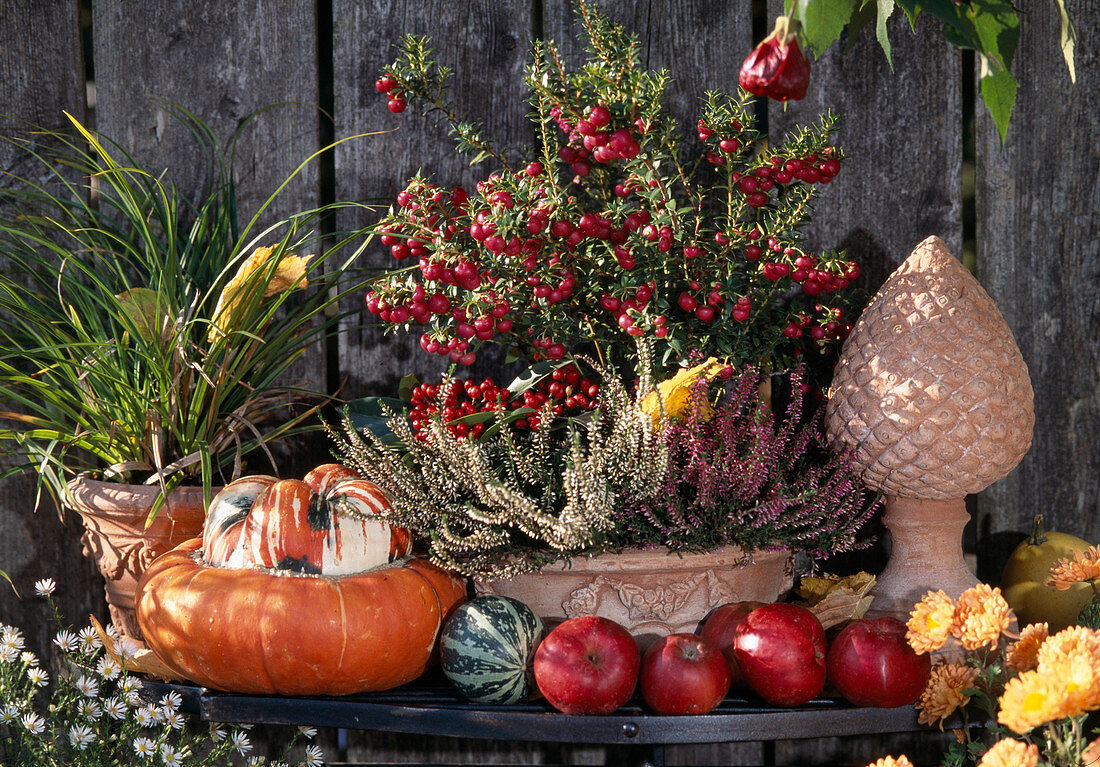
x=652, y=593
x=115, y=535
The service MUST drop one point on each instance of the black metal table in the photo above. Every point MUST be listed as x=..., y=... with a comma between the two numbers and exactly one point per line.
x=431, y=707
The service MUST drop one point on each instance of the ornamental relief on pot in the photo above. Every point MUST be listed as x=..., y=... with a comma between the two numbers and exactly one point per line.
x=657, y=603
x=116, y=557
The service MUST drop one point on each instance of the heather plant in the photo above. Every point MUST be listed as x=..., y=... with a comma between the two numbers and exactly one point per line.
x=736, y=474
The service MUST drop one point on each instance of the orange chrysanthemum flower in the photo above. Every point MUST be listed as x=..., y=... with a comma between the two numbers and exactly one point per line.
x=944, y=692
x=930, y=622
x=1084, y=566
x=981, y=614
x=1022, y=655
x=1031, y=699
x=1010, y=753
x=889, y=761
x=1075, y=641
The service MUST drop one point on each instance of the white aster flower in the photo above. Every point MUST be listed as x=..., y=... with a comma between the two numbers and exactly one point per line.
x=8, y=654
x=45, y=587
x=33, y=722
x=89, y=640
x=127, y=686
x=80, y=736
x=146, y=716
x=91, y=710
x=66, y=641
x=217, y=732
x=108, y=668
x=116, y=708
x=308, y=732
x=254, y=761
x=314, y=756
x=9, y=714
x=29, y=658
x=173, y=719
x=88, y=687
x=144, y=746
x=170, y=756
x=38, y=676
x=11, y=637
x=172, y=701
x=240, y=742
x=126, y=648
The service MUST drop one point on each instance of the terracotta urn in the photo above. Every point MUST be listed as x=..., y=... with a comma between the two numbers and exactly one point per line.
x=652, y=593
x=934, y=395
x=116, y=536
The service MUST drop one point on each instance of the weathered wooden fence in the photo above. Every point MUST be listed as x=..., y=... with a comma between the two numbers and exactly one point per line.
x=1034, y=212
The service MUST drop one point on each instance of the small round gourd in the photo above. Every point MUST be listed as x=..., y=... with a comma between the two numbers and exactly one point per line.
x=487, y=648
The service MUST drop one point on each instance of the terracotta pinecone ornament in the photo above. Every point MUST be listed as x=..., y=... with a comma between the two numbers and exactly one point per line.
x=934, y=394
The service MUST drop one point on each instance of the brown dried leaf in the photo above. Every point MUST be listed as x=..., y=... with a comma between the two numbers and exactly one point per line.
x=141, y=661
x=834, y=599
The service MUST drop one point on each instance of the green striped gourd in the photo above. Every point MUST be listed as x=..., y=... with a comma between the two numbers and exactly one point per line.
x=487, y=647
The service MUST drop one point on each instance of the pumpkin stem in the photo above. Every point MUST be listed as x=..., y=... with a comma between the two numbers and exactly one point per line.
x=1037, y=538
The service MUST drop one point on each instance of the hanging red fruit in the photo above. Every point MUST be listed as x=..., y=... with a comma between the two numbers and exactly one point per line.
x=777, y=68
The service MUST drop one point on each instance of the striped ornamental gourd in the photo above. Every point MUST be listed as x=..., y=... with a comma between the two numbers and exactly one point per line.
x=487, y=648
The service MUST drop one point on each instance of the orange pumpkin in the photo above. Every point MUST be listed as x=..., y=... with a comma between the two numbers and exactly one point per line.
x=290, y=627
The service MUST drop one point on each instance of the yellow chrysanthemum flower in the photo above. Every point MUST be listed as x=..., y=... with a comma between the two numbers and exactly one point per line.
x=289, y=273
x=1022, y=655
x=1010, y=753
x=1031, y=699
x=889, y=761
x=944, y=692
x=1084, y=566
x=930, y=622
x=981, y=614
x=677, y=393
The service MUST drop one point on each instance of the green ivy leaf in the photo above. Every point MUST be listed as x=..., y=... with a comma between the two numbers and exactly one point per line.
x=885, y=10
x=823, y=21
x=999, y=94
x=912, y=10
x=996, y=25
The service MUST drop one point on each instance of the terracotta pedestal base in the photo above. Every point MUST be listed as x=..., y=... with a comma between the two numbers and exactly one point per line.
x=926, y=554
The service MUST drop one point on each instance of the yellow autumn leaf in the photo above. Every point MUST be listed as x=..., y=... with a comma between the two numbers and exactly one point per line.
x=676, y=393
x=289, y=273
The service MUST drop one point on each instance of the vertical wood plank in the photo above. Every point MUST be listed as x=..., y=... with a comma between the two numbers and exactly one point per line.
x=221, y=61
x=901, y=133
x=485, y=44
x=41, y=75
x=1038, y=241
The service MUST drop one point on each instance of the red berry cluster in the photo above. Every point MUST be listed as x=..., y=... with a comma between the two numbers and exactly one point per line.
x=566, y=389
x=395, y=99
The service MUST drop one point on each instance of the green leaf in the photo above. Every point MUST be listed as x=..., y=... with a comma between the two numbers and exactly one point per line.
x=885, y=10
x=996, y=25
x=860, y=19
x=912, y=10
x=406, y=386
x=367, y=414
x=534, y=374
x=1068, y=39
x=999, y=94
x=823, y=21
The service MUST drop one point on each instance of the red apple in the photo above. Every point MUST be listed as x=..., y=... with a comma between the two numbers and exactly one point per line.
x=780, y=649
x=682, y=674
x=871, y=664
x=587, y=665
x=718, y=631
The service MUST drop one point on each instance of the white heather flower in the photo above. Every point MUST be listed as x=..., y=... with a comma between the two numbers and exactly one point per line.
x=88, y=687
x=116, y=708
x=33, y=722
x=90, y=710
x=173, y=719
x=170, y=756
x=314, y=756
x=89, y=640
x=108, y=668
x=66, y=641
x=240, y=742
x=45, y=587
x=80, y=736
x=172, y=701
x=308, y=732
x=38, y=676
x=144, y=747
